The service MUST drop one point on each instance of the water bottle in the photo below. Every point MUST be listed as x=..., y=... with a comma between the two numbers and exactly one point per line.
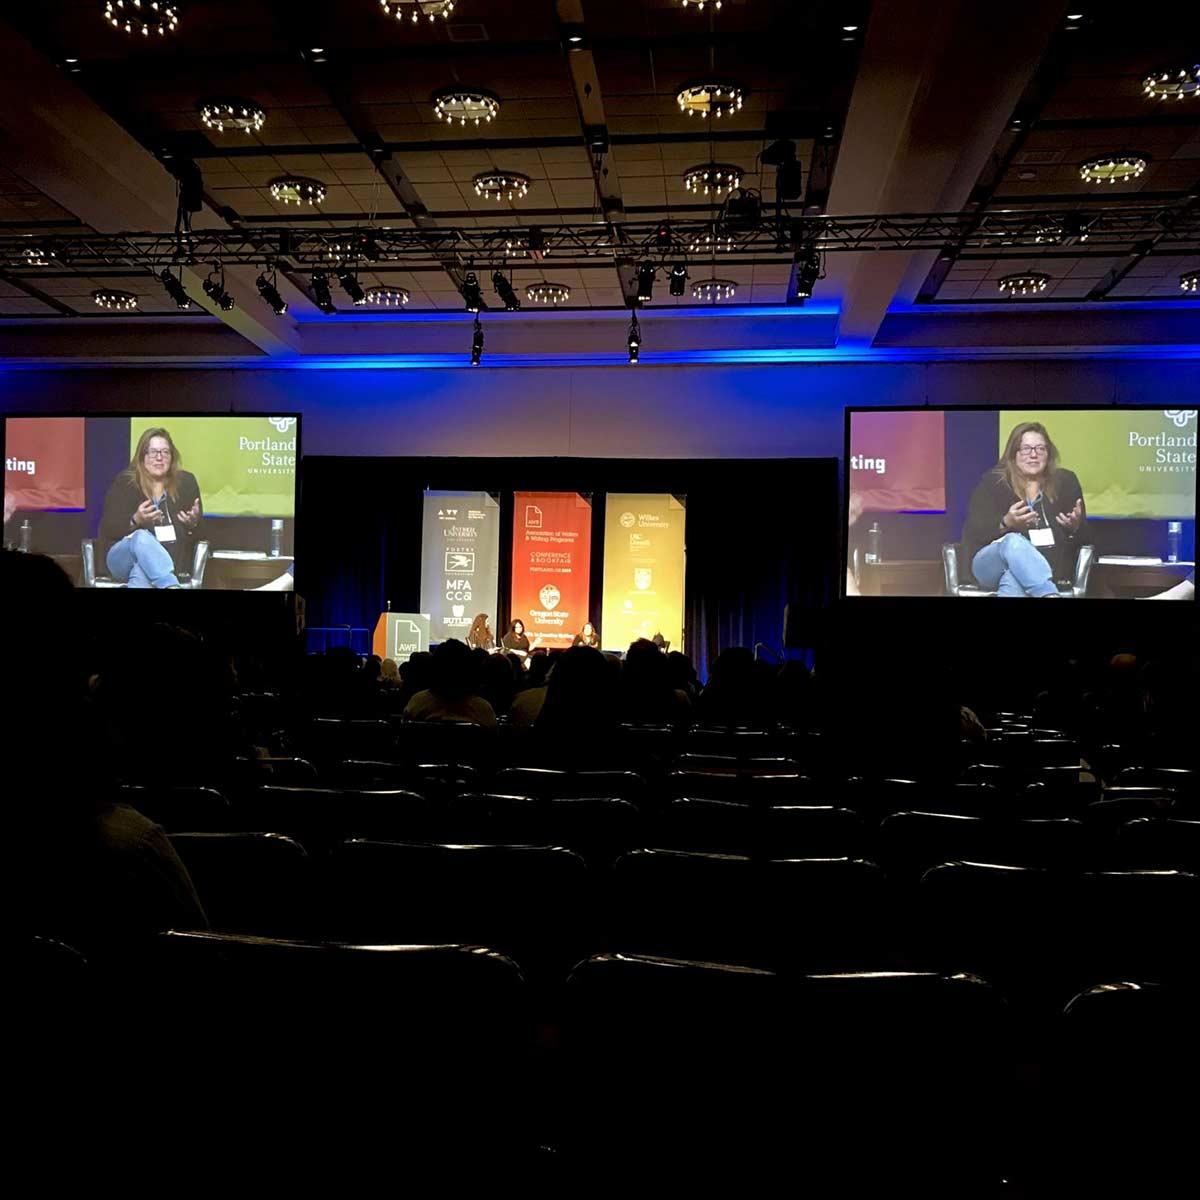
x=1174, y=531
x=276, y=536
x=26, y=536
x=874, y=540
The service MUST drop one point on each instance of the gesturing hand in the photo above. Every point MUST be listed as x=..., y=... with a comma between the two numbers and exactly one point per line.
x=1070, y=520
x=1020, y=516
x=147, y=514
x=189, y=516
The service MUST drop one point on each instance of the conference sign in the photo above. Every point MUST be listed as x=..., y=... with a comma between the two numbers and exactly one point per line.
x=460, y=560
x=551, y=565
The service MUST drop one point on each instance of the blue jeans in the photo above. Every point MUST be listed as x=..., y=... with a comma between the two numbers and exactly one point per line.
x=1014, y=566
x=143, y=560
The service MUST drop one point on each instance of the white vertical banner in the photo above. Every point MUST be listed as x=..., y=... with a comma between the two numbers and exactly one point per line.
x=460, y=561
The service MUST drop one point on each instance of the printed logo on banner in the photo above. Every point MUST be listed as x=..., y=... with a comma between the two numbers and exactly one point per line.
x=457, y=610
x=460, y=562
x=533, y=517
x=283, y=424
x=447, y=514
x=639, y=541
x=641, y=578
x=628, y=520
x=549, y=596
x=476, y=514
x=1179, y=417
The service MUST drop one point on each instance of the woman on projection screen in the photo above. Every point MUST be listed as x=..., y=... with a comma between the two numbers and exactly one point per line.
x=152, y=514
x=1027, y=518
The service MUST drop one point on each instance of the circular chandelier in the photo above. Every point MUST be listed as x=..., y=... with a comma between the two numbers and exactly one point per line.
x=712, y=177
x=1112, y=168
x=501, y=185
x=699, y=4
x=418, y=9
x=463, y=104
x=712, y=290
x=146, y=18
x=1024, y=283
x=546, y=292
x=386, y=297
x=1173, y=82
x=1189, y=281
x=713, y=98
x=37, y=256
x=710, y=242
x=297, y=189
x=231, y=112
x=111, y=298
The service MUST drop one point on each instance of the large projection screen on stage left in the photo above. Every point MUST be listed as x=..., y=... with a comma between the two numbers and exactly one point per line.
x=156, y=501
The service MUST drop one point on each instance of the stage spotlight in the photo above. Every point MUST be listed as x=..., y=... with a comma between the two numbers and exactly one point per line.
x=678, y=279
x=742, y=211
x=536, y=243
x=645, y=282
x=214, y=287
x=634, y=341
x=472, y=294
x=663, y=239
x=352, y=287
x=175, y=290
x=321, y=293
x=789, y=177
x=477, y=344
x=808, y=271
x=504, y=289
x=269, y=291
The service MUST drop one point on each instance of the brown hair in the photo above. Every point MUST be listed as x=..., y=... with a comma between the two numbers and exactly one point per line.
x=137, y=465
x=479, y=627
x=1006, y=468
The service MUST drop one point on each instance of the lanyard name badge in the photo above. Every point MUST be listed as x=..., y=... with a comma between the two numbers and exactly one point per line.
x=1043, y=535
x=166, y=531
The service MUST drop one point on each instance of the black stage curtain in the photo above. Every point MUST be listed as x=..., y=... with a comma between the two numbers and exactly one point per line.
x=761, y=534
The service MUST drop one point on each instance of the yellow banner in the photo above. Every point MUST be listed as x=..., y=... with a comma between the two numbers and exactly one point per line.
x=645, y=557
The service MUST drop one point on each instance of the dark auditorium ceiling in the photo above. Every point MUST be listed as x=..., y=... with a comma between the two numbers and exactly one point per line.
x=892, y=107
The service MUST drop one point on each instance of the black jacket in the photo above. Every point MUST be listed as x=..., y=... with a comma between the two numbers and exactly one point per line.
x=992, y=498
x=122, y=502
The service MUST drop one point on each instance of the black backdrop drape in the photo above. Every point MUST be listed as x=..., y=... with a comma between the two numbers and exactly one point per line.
x=761, y=534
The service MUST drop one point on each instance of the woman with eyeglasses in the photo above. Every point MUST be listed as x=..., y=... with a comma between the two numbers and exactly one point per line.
x=1026, y=519
x=152, y=514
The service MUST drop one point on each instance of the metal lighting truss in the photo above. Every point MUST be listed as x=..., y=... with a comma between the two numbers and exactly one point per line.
x=1110, y=231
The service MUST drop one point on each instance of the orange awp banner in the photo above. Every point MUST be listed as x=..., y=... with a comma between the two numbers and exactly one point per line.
x=43, y=463
x=551, y=565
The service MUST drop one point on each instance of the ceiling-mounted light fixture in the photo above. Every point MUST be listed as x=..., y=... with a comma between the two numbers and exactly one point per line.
x=268, y=289
x=214, y=289
x=711, y=290
x=634, y=341
x=1189, y=281
x=463, y=104
x=477, y=342
x=645, y=282
x=710, y=242
x=414, y=10
x=387, y=297
x=504, y=289
x=501, y=185
x=1173, y=83
x=809, y=269
x=297, y=189
x=712, y=178
x=678, y=278
x=112, y=298
x=698, y=5
x=544, y=291
x=142, y=16
x=351, y=286
x=1024, y=283
x=37, y=256
x=472, y=293
x=321, y=292
x=1112, y=168
x=230, y=112
x=710, y=98
x=175, y=288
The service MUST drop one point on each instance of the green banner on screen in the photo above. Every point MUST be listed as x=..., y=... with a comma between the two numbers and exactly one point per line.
x=1131, y=462
x=245, y=466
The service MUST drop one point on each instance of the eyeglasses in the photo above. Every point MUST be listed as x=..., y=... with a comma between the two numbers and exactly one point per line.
x=157, y=454
x=1033, y=451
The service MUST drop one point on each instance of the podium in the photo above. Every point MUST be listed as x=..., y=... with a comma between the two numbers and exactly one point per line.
x=400, y=635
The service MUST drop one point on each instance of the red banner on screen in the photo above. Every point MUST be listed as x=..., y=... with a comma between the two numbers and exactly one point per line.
x=898, y=460
x=43, y=462
x=551, y=567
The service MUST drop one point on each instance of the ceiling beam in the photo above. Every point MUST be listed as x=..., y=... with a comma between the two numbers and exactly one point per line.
x=59, y=140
